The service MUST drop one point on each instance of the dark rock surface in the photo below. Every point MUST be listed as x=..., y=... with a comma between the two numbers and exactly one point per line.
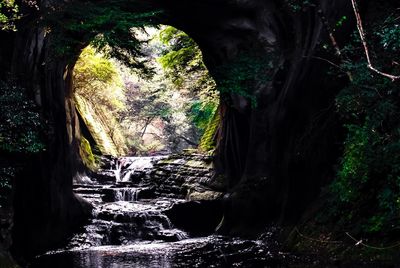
x=273, y=157
x=128, y=210
x=180, y=175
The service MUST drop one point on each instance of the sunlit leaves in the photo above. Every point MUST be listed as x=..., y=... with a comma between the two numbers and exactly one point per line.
x=97, y=79
x=182, y=61
x=9, y=13
x=107, y=24
x=99, y=96
x=201, y=113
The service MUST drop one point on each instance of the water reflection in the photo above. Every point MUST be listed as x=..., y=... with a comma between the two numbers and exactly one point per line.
x=212, y=251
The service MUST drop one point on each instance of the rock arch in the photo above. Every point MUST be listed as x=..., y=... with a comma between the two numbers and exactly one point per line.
x=273, y=156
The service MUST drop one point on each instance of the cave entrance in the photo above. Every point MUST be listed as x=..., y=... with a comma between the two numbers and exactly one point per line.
x=138, y=121
x=163, y=105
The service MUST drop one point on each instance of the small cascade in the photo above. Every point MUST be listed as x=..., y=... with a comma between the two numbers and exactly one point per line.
x=126, y=194
x=127, y=168
x=126, y=209
x=141, y=218
x=128, y=175
x=117, y=171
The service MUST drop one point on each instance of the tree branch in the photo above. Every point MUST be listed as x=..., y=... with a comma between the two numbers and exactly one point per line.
x=364, y=42
x=333, y=41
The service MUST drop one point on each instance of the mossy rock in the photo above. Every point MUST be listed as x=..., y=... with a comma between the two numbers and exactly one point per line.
x=207, y=142
x=85, y=151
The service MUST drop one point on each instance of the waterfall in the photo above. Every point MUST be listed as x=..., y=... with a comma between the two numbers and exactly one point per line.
x=117, y=171
x=128, y=175
x=126, y=194
x=128, y=166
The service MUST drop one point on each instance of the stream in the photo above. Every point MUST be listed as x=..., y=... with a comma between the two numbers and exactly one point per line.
x=135, y=223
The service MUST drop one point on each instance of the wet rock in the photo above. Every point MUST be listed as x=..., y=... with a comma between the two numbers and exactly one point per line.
x=204, y=195
x=140, y=204
x=107, y=161
x=120, y=194
x=173, y=174
x=108, y=195
x=146, y=193
x=172, y=235
x=104, y=176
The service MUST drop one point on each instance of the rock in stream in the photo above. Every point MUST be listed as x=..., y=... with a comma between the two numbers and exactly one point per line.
x=155, y=212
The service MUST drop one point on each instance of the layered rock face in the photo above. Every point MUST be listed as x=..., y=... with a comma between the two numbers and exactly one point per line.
x=147, y=198
x=277, y=140
x=45, y=208
x=186, y=176
x=277, y=136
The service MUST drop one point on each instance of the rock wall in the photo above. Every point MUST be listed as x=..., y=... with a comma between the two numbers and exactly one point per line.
x=187, y=176
x=277, y=139
x=272, y=157
x=45, y=208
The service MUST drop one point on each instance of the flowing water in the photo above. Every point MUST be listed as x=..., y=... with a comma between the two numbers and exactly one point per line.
x=131, y=227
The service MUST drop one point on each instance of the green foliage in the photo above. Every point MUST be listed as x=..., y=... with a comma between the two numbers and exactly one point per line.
x=20, y=132
x=390, y=34
x=96, y=78
x=354, y=167
x=241, y=76
x=99, y=96
x=341, y=21
x=182, y=62
x=20, y=125
x=180, y=55
x=107, y=25
x=368, y=179
x=151, y=113
x=9, y=13
x=201, y=114
x=298, y=5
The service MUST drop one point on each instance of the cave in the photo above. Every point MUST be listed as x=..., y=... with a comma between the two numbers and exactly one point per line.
x=277, y=141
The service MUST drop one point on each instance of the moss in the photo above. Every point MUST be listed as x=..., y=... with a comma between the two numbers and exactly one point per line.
x=98, y=122
x=86, y=154
x=207, y=141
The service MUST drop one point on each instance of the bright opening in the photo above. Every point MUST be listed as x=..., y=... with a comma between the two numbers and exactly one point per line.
x=163, y=108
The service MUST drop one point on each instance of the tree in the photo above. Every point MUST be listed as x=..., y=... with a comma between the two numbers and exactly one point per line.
x=9, y=13
x=99, y=94
x=367, y=186
x=20, y=126
x=96, y=78
x=174, y=105
x=182, y=61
